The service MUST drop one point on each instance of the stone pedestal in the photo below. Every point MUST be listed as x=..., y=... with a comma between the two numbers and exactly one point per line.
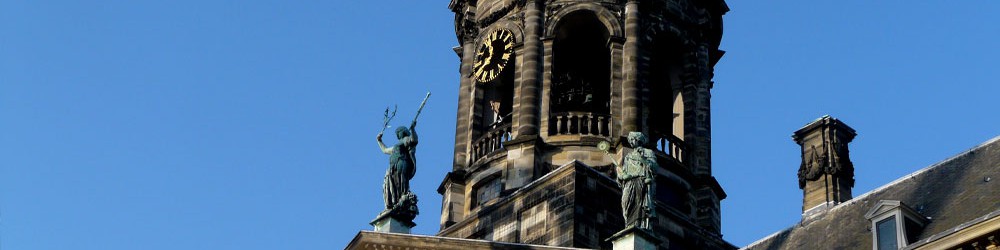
x=633, y=238
x=390, y=224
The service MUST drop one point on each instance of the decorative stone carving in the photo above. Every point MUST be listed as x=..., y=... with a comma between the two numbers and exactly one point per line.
x=615, y=9
x=465, y=26
x=812, y=166
x=816, y=162
x=516, y=18
x=550, y=11
x=492, y=10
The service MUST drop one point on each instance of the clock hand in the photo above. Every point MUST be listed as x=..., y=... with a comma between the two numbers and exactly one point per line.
x=480, y=65
x=486, y=62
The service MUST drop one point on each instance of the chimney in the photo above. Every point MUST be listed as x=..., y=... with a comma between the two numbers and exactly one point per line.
x=826, y=174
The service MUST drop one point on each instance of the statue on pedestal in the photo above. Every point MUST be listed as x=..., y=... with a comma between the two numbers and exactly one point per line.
x=636, y=179
x=400, y=202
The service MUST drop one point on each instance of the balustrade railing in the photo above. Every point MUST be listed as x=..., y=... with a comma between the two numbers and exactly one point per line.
x=580, y=123
x=491, y=141
x=671, y=145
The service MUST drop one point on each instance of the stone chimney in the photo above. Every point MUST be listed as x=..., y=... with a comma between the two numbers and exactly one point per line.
x=826, y=174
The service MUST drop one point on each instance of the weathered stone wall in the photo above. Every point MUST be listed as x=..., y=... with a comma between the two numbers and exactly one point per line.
x=536, y=214
x=574, y=206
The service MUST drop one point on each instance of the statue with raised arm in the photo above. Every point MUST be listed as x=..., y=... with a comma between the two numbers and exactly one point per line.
x=399, y=201
x=636, y=179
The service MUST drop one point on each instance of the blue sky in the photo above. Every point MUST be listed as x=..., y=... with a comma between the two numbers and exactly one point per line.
x=250, y=124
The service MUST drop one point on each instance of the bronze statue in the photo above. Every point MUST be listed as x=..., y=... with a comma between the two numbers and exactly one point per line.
x=636, y=179
x=399, y=201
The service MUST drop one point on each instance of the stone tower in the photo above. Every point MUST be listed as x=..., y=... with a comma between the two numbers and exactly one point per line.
x=826, y=174
x=542, y=82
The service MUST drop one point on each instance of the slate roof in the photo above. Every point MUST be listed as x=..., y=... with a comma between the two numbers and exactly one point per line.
x=952, y=192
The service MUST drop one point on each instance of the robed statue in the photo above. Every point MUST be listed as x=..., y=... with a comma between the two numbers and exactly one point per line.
x=399, y=201
x=636, y=179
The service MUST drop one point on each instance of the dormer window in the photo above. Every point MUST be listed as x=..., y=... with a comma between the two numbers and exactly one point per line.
x=885, y=234
x=894, y=225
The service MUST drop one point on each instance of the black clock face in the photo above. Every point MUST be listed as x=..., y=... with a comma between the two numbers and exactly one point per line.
x=492, y=55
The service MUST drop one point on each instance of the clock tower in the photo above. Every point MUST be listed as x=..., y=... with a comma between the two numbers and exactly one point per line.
x=542, y=82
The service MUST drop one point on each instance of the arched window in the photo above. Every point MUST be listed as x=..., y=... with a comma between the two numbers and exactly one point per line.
x=581, y=65
x=664, y=100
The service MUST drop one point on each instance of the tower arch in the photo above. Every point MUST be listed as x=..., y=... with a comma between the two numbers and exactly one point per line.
x=612, y=21
x=663, y=84
x=580, y=76
x=515, y=28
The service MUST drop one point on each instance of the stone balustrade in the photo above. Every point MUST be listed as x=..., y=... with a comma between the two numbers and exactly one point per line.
x=491, y=141
x=580, y=123
x=670, y=145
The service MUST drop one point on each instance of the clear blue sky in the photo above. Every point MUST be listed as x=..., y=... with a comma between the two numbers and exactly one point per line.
x=250, y=124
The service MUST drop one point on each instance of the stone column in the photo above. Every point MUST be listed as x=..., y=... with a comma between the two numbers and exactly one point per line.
x=529, y=84
x=546, y=87
x=698, y=135
x=452, y=191
x=466, y=92
x=630, y=69
x=698, y=132
x=522, y=150
x=616, y=44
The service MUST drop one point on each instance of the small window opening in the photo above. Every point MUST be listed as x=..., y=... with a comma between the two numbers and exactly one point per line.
x=886, y=233
x=487, y=191
x=912, y=230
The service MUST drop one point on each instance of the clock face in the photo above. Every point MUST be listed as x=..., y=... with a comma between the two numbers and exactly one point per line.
x=492, y=55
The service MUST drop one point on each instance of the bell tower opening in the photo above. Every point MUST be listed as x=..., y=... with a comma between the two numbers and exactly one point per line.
x=493, y=119
x=663, y=96
x=494, y=73
x=497, y=101
x=581, y=74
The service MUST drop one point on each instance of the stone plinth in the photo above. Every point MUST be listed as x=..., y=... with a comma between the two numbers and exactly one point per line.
x=386, y=223
x=633, y=238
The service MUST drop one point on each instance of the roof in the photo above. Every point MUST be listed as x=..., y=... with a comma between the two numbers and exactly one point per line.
x=950, y=193
x=377, y=240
